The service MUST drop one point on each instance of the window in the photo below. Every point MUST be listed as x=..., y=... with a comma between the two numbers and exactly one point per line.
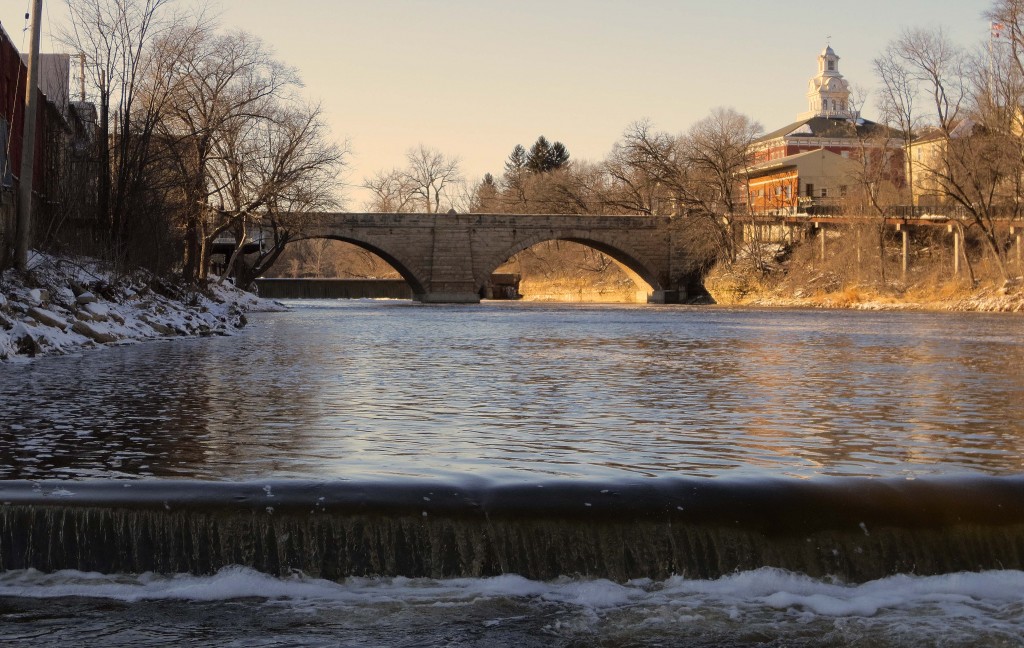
x=842, y=190
x=824, y=192
x=831, y=66
x=810, y=190
x=778, y=191
x=789, y=192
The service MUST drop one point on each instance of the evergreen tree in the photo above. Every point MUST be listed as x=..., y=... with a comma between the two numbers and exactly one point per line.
x=545, y=156
x=486, y=198
x=516, y=161
x=558, y=157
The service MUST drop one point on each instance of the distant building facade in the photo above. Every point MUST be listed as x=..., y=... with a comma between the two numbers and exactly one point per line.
x=796, y=182
x=63, y=179
x=824, y=153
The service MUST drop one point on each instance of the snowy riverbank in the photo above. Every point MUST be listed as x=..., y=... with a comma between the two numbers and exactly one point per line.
x=64, y=306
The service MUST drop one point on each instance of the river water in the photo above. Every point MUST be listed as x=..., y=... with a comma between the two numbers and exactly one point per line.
x=512, y=395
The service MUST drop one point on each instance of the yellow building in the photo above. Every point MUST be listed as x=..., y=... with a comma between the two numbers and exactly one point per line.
x=794, y=183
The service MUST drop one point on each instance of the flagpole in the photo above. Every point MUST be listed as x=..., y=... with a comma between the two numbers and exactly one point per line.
x=28, y=143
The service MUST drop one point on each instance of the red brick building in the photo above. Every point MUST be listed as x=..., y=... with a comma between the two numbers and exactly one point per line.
x=791, y=169
x=64, y=175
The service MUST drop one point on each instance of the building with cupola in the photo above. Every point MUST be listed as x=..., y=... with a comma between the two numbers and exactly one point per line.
x=819, y=158
x=828, y=94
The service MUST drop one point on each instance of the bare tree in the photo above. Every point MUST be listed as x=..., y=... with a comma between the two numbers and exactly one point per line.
x=717, y=155
x=646, y=171
x=117, y=39
x=392, y=192
x=939, y=66
x=430, y=175
x=577, y=188
x=879, y=160
x=978, y=167
x=234, y=143
x=898, y=100
x=275, y=175
x=430, y=178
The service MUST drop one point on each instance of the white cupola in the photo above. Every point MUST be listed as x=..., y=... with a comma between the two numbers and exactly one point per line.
x=828, y=94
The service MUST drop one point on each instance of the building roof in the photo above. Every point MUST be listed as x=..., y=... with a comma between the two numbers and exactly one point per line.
x=829, y=127
x=964, y=128
x=795, y=160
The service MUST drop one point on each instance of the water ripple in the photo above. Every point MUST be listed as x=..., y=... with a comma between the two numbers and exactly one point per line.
x=349, y=389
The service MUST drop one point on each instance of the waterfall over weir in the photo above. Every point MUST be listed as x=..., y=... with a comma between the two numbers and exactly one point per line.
x=856, y=529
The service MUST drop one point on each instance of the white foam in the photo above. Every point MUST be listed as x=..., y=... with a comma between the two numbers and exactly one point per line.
x=764, y=588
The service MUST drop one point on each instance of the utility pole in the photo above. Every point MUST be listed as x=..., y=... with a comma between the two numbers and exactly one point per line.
x=28, y=143
x=81, y=77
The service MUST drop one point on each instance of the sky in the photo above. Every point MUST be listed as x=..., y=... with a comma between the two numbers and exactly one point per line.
x=474, y=78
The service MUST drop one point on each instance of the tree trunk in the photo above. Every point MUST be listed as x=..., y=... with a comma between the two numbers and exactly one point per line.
x=193, y=250
x=103, y=188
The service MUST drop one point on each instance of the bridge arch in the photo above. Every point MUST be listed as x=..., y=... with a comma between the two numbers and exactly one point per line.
x=415, y=283
x=628, y=260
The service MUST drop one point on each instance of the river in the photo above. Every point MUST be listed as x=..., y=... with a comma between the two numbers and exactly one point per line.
x=485, y=405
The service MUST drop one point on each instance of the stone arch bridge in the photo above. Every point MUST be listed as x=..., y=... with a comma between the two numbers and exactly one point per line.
x=449, y=258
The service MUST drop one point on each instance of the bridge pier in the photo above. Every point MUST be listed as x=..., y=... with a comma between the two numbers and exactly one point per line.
x=665, y=297
x=448, y=298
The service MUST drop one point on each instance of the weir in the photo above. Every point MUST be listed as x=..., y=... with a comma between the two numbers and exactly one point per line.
x=855, y=529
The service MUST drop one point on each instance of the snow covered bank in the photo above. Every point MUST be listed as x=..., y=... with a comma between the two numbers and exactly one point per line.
x=64, y=305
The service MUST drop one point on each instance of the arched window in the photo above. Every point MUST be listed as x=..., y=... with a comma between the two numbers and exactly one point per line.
x=831, y=66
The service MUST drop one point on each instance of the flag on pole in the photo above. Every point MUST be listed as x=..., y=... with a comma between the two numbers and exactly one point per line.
x=998, y=31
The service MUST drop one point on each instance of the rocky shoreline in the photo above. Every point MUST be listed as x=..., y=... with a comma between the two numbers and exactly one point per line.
x=63, y=306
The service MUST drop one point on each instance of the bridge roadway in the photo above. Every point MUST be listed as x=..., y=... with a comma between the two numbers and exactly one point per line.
x=449, y=258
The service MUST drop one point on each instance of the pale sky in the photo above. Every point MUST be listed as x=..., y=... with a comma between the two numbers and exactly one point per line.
x=474, y=78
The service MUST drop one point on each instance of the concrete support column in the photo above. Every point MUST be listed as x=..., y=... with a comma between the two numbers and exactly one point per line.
x=821, y=237
x=856, y=239
x=1016, y=233
x=448, y=298
x=956, y=249
x=451, y=264
x=905, y=249
x=666, y=296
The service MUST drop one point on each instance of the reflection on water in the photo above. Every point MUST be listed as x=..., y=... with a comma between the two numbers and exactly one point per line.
x=522, y=391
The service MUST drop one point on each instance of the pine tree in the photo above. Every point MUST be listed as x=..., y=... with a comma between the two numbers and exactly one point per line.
x=516, y=161
x=558, y=156
x=545, y=156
